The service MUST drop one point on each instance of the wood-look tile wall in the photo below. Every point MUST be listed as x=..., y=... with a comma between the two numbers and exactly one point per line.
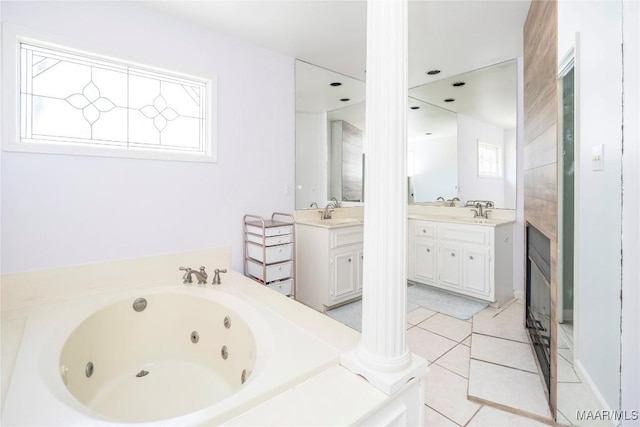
x=541, y=141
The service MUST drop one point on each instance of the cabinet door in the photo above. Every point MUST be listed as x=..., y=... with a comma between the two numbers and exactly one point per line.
x=424, y=261
x=450, y=265
x=360, y=257
x=476, y=267
x=343, y=274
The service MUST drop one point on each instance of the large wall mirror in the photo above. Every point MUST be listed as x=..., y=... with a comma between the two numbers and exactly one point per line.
x=461, y=135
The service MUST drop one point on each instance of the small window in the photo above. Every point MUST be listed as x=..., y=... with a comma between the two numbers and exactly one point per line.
x=79, y=103
x=489, y=160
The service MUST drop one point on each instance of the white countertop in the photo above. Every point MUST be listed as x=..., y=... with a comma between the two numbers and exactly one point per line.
x=456, y=215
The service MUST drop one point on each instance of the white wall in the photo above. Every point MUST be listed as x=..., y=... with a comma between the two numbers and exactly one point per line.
x=60, y=210
x=630, y=373
x=471, y=186
x=311, y=159
x=598, y=201
x=435, y=167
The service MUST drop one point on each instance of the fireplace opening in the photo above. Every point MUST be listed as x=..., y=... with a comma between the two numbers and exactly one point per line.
x=538, y=297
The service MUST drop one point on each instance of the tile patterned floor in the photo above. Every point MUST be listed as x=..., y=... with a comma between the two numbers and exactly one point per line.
x=489, y=359
x=447, y=343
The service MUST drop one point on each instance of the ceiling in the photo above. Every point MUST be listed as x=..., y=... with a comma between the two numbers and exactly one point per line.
x=454, y=36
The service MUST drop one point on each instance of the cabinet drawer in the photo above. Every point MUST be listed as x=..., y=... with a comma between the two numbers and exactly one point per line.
x=475, y=234
x=271, y=241
x=283, y=286
x=272, y=254
x=347, y=237
x=422, y=229
x=274, y=271
x=270, y=231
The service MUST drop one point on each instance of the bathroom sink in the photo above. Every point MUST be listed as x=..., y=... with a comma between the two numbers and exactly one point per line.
x=340, y=221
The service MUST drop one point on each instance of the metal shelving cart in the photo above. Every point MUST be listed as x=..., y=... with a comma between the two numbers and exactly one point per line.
x=269, y=251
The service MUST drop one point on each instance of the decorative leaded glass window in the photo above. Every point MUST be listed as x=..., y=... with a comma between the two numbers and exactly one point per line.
x=80, y=100
x=489, y=160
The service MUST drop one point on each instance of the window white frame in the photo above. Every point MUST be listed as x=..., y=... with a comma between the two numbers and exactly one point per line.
x=13, y=36
x=496, y=171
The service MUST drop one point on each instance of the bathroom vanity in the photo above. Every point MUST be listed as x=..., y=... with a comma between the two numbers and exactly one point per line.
x=447, y=248
x=329, y=262
x=468, y=256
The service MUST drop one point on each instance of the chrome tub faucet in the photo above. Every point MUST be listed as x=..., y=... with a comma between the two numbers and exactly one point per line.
x=200, y=275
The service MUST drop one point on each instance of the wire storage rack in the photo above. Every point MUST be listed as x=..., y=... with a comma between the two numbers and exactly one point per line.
x=269, y=251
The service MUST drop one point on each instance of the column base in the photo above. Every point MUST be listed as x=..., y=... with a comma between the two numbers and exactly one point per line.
x=388, y=382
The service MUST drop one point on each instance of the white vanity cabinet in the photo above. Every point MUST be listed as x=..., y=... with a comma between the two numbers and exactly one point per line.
x=328, y=265
x=470, y=259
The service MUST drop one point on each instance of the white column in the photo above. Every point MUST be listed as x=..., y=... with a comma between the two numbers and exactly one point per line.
x=382, y=356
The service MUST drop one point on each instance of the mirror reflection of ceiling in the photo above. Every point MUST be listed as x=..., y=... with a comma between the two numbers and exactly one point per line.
x=488, y=94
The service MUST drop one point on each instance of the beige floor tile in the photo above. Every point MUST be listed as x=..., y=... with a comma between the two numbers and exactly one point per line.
x=419, y=314
x=456, y=360
x=500, y=326
x=513, y=310
x=467, y=341
x=434, y=419
x=574, y=398
x=562, y=420
x=487, y=313
x=503, y=352
x=492, y=417
x=427, y=344
x=566, y=374
x=446, y=392
x=512, y=388
x=447, y=326
x=561, y=342
x=567, y=354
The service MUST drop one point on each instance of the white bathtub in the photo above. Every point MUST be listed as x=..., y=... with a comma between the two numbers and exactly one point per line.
x=146, y=367
x=172, y=358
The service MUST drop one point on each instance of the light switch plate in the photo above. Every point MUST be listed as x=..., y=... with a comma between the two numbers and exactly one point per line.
x=597, y=157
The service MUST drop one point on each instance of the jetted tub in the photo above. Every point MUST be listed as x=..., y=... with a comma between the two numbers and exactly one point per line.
x=157, y=357
x=193, y=355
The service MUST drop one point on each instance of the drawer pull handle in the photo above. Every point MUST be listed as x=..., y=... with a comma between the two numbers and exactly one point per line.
x=428, y=250
x=471, y=257
x=424, y=230
x=453, y=254
x=506, y=239
x=349, y=259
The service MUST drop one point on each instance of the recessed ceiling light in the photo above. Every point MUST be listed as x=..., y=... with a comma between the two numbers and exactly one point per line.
x=336, y=84
x=344, y=99
x=449, y=100
x=414, y=107
x=433, y=72
x=458, y=84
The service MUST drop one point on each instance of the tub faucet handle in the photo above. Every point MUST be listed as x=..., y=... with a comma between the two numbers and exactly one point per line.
x=216, y=276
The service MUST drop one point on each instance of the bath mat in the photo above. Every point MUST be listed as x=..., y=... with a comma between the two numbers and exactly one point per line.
x=452, y=305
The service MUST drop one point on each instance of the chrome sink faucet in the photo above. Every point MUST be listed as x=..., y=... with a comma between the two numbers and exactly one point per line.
x=326, y=213
x=479, y=212
x=200, y=275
